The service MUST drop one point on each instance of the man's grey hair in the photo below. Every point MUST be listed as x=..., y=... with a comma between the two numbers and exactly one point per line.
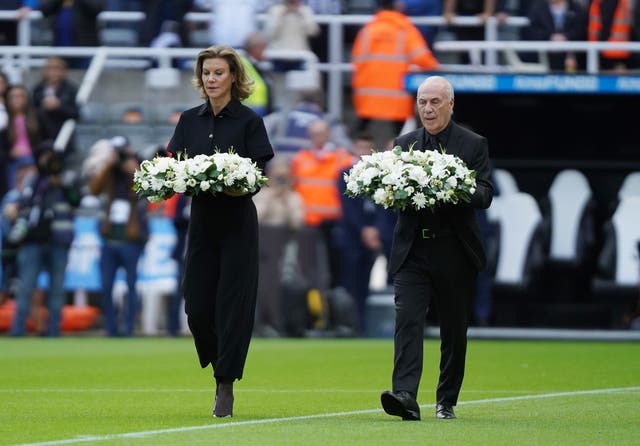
x=447, y=85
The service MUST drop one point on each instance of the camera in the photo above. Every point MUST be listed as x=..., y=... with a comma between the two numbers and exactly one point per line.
x=55, y=164
x=122, y=146
x=49, y=160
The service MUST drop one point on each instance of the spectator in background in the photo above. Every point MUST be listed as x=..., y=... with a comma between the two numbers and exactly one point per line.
x=44, y=232
x=558, y=21
x=288, y=128
x=610, y=21
x=9, y=212
x=483, y=9
x=74, y=23
x=319, y=41
x=25, y=130
x=315, y=172
x=357, y=235
x=422, y=8
x=382, y=54
x=132, y=115
x=4, y=122
x=4, y=116
x=289, y=26
x=261, y=100
x=231, y=21
x=279, y=204
x=98, y=155
x=511, y=8
x=280, y=216
x=55, y=99
x=124, y=229
x=164, y=25
x=9, y=28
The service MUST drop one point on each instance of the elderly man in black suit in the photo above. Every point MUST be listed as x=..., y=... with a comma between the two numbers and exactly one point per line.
x=435, y=259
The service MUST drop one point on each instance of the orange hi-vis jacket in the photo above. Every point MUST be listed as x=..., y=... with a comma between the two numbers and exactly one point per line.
x=316, y=175
x=382, y=53
x=620, y=27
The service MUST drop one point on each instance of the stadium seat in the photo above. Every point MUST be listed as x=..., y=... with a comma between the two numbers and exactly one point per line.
x=630, y=186
x=618, y=277
x=168, y=113
x=570, y=217
x=162, y=78
x=118, y=37
x=520, y=256
x=199, y=38
x=618, y=263
x=360, y=6
x=506, y=183
x=93, y=113
x=520, y=246
x=161, y=134
x=380, y=313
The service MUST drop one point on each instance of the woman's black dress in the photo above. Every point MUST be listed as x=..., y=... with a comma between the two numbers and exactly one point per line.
x=221, y=263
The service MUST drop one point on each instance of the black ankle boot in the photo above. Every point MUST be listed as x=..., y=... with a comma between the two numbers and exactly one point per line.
x=224, y=399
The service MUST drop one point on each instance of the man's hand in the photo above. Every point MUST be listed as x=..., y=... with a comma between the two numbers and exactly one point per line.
x=50, y=103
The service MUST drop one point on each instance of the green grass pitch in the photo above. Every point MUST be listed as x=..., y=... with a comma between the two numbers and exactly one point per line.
x=151, y=391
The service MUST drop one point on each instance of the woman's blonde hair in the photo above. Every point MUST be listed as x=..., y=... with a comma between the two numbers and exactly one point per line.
x=241, y=88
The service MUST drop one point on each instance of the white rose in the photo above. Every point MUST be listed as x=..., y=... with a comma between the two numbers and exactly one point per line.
x=251, y=179
x=180, y=186
x=452, y=181
x=379, y=196
x=352, y=186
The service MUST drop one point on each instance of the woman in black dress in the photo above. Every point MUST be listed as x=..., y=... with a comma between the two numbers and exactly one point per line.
x=221, y=263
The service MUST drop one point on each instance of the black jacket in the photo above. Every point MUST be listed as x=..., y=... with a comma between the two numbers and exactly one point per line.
x=473, y=150
x=66, y=93
x=542, y=26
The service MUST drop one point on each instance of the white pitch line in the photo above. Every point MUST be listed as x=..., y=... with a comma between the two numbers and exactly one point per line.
x=142, y=434
x=209, y=390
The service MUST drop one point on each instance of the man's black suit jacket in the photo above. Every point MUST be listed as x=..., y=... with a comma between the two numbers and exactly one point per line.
x=473, y=150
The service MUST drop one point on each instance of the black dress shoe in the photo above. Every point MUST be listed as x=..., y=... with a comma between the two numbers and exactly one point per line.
x=223, y=406
x=400, y=404
x=444, y=412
